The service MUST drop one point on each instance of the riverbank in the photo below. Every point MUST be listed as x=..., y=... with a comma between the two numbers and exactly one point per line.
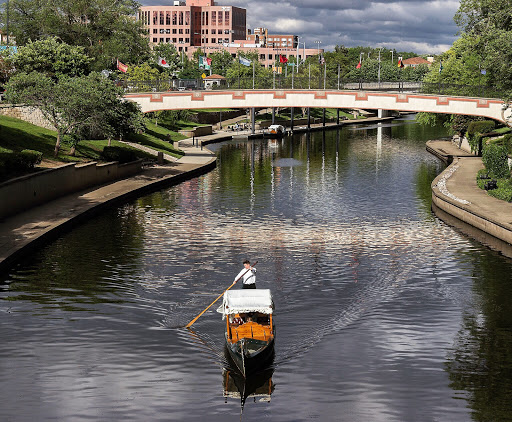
x=455, y=192
x=25, y=231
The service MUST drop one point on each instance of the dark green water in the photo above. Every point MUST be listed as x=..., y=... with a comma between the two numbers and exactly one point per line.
x=383, y=312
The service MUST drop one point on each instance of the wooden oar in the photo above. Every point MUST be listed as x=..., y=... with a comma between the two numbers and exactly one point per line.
x=209, y=306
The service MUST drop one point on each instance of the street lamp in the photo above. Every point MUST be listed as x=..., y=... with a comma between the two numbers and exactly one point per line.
x=318, y=47
x=391, y=51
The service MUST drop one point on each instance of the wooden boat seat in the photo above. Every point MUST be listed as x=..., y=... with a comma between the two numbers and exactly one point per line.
x=250, y=330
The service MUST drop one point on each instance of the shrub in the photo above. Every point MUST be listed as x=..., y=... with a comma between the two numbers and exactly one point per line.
x=30, y=158
x=495, y=159
x=504, y=191
x=475, y=131
x=119, y=154
x=16, y=162
x=507, y=142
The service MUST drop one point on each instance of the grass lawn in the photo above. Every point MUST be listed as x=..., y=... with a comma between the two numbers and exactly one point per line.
x=157, y=138
x=17, y=135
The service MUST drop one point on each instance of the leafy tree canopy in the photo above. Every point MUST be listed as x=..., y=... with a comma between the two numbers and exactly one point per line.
x=51, y=57
x=105, y=28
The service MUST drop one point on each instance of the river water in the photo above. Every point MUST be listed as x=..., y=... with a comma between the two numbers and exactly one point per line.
x=383, y=312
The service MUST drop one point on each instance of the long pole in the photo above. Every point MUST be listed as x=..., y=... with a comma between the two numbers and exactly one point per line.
x=211, y=304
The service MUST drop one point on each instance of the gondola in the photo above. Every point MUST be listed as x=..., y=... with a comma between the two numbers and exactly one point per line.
x=250, y=330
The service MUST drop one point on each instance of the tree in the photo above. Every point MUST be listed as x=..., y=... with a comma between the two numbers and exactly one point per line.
x=71, y=105
x=221, y=61
x=170, y=54
x=51, y=57
x=105, y=28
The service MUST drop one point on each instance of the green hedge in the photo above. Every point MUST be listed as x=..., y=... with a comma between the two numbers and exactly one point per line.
x=16, y=162
x=475, y=133
x=121, y=155
x=495, y=159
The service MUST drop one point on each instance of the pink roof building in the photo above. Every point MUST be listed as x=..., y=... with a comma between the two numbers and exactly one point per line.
x=194, y=24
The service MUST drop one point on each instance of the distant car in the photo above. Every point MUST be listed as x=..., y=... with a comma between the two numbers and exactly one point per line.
x=181, y=88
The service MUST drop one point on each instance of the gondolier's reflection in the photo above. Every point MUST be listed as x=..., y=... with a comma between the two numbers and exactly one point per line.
x=249, y=276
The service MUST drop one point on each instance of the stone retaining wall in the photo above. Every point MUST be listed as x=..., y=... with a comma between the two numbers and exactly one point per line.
x=28, y=114
x=34, y=189
x=197, y=131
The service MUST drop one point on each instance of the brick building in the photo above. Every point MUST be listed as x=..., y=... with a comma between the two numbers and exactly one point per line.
x=194, y=24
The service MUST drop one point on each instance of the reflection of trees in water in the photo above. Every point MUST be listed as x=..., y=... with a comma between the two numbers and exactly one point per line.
x=75, y=268
x=481, y=362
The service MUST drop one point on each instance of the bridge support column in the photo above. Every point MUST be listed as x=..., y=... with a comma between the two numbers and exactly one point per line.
x=383, y=113
x=309, y=118
x=291, y=118
x=273, y=115
x=337, y=116
x=323, y=118
x=253, y=120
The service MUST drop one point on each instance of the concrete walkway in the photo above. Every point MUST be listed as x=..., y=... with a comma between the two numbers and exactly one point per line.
x=456, y=192
x=25, y=231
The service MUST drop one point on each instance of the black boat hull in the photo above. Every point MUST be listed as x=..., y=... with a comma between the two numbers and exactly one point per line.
x=249, y=361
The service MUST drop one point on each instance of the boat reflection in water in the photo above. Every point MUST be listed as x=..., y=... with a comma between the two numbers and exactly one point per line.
x=258, y=385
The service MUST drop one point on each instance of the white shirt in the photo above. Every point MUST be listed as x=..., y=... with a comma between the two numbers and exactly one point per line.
x=249, y=276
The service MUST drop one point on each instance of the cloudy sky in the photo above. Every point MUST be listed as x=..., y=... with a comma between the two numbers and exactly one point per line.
x=421, y=26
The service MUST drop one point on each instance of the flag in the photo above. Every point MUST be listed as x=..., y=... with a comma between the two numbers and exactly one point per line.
x=400, y=62
x=359, y=64
x=244, y=61
x=121, y=67
x=208, y=61
x=162, y=62
x=282, y=59
x=483, y=72
x=440, y=66
x=321, y=59
x=201, y=62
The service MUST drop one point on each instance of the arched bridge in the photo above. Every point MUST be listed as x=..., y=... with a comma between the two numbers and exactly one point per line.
x=351, y=99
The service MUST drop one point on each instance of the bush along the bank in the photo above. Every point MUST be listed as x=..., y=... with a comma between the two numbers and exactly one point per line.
x=17, y=162
x=495, y=178
x=495, y=159
x=476, y=132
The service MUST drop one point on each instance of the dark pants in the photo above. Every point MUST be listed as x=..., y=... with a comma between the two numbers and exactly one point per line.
x=249, y=286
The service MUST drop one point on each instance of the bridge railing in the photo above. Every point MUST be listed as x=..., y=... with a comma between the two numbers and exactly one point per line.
x=314, y=83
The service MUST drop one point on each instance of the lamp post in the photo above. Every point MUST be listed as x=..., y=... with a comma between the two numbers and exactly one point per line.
x=318, y=47
x=380, y=49
x=391, y=51
x=7, y=22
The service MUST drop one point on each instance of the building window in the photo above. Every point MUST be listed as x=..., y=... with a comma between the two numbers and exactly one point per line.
x=180, y=40
x=181, y=18
x=161, y=40
x=155, y=40
x=174, y=30
x=155, y=31
x=262, y=57
x=168, y=18
x=167, y=40
x=226, y=40
x=162, y=31
x=167, y=31
x=187, y=40
x=220, y=18
x=174, y=18
x=214, y=40
x=180, y=31
x=226, y=31
x=187, y=18
x=214, y=18
x=214, y=31
x=162, y=18
x=155, y=18
x=270, y=56
x=187, y=30
x=226, y=18
x=174, y=40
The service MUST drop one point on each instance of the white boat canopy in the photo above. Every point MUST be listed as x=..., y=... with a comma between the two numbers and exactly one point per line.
x=246, y=300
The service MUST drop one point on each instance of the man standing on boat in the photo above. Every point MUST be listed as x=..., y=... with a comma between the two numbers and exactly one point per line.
x=249, y=276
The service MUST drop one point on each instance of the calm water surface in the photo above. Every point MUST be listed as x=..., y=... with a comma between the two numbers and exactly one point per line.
x=384, y=313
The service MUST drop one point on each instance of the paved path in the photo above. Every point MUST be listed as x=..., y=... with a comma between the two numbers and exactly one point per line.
x=23, y=232
x=457, y=186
